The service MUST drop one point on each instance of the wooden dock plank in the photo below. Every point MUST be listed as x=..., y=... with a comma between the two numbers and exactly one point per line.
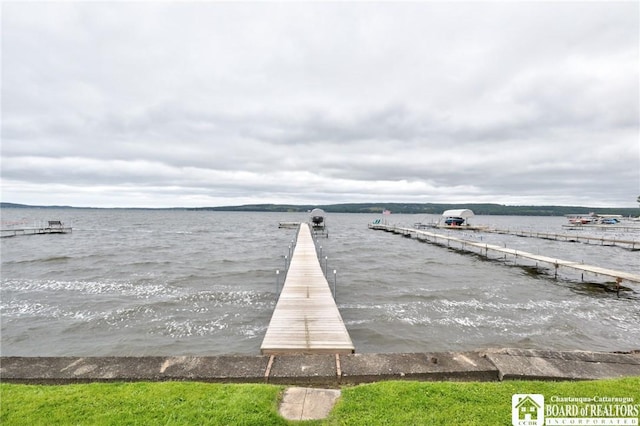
x=306, y=318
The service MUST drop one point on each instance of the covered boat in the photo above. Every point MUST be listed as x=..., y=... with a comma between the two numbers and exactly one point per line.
x=318, y=221
x=456, y=217
x=317, y=217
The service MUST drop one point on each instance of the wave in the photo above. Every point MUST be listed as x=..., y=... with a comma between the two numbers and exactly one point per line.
x=51, y=259
x=110, y=286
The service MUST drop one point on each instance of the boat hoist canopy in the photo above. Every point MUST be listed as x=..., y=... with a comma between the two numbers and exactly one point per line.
x=463, y=213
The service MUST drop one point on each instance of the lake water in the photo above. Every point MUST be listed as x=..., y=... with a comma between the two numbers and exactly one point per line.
x=140, y=282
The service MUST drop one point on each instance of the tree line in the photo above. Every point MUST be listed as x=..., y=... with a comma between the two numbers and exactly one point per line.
x=431, y=208
x=397, y=208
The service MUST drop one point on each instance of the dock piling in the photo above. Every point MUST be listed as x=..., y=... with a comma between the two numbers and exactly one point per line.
x=335, y=279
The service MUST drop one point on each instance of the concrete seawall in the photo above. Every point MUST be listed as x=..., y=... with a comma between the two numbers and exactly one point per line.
x=326, y=370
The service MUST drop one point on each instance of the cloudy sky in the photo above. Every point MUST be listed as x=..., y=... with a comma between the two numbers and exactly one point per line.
x=158, y=104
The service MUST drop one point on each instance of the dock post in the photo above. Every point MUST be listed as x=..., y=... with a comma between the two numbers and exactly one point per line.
x=334, y=284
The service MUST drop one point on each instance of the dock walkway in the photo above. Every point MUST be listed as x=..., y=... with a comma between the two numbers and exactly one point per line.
x=51, y=227
x=588, y=239
x=306, y=319
x=619, y=276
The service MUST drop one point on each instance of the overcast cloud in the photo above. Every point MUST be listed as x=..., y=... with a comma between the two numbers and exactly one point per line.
x=158, y=104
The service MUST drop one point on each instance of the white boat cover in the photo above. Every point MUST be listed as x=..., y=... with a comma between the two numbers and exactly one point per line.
x=463, y=213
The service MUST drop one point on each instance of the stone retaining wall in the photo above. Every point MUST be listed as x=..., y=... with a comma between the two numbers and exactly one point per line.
x=326, y=370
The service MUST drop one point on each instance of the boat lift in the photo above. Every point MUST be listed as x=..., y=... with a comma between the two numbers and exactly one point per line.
x=318, y=222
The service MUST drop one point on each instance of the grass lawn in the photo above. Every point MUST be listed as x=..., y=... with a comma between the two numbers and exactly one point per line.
x=163, y=403
x=451, y=403
x=190, y=403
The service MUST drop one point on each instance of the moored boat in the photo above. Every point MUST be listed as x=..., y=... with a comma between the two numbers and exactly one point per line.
x=455, y=218
x=318, y=222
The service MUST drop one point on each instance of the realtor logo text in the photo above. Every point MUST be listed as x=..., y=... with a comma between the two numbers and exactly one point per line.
x=533, y=410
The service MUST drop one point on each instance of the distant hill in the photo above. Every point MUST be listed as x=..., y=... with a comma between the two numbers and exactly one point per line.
x=430, y=208
x=404, y=208
x=26, y=206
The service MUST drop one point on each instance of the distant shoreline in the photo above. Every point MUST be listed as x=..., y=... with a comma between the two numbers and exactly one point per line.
x=377, y=208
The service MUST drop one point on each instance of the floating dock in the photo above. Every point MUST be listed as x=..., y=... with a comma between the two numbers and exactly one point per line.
x=306, y=319
x=288, y=225
x=484, y=249
x=51, y=227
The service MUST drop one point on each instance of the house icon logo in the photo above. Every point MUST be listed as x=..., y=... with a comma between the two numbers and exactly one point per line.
x=527, y=409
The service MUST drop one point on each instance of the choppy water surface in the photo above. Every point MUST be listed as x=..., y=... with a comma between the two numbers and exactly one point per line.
x=136, y=282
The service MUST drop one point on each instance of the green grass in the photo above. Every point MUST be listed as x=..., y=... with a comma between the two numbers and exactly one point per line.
x=164, y=403
x=188, y=403
x=450, y=403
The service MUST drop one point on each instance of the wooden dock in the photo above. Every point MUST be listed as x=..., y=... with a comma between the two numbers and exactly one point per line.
x=484, y=249
x=306, y=319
